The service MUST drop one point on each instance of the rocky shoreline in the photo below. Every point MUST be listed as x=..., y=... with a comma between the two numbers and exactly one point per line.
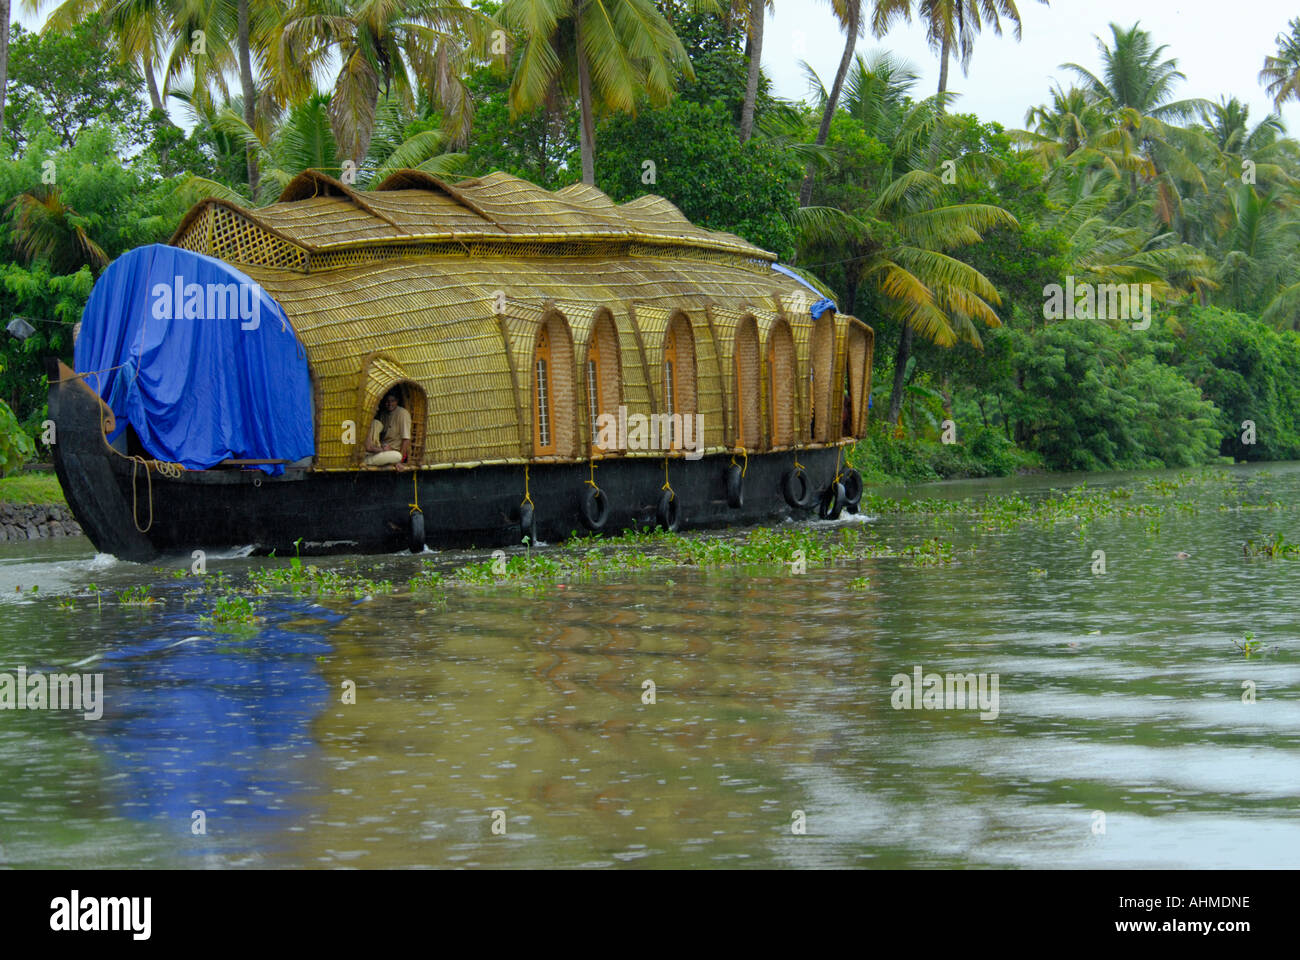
x=28, y=521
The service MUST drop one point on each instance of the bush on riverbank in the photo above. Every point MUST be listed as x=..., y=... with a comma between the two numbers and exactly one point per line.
x=881, y=457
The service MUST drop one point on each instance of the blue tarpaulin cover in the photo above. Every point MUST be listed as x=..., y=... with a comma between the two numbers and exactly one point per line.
x=818, y=308
x=208, y=368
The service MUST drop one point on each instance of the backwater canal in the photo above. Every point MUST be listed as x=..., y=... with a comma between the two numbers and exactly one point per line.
x=1124, y=735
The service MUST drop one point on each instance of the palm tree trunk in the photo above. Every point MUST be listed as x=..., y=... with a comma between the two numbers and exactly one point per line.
x=249, y=94
x=588, y=138
x=851, y=30
x=4, y=58
x=943, y=70
x=155, y=98
x=755, y=54
x=900, y=368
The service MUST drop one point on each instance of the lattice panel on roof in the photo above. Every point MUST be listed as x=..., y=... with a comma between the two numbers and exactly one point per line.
x=236, y=239
x=195, y=237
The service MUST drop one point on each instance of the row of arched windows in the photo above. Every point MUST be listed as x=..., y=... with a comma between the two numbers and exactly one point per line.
x=764, y=392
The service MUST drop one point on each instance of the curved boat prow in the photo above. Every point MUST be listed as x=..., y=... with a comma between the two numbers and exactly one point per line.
x=82, y=462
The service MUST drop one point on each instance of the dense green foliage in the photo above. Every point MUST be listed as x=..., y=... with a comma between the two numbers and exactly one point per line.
x=689, y=153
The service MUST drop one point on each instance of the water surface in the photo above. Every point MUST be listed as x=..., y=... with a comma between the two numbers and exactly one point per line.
x=1120, y=694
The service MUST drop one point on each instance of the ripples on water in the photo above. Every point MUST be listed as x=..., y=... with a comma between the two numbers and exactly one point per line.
x=1119, y=694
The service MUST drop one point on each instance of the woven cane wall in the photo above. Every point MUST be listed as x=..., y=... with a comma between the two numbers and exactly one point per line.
x=825, y=411
x=579, y=316
x=605, y=337
x=859, y=365
x=436, y=318
x=710, y=394
x=748, y=390
x=564, y=394
x=794, y=307
x=736, y=333
x=780, y=354
x=445, y=338
x=654, y=323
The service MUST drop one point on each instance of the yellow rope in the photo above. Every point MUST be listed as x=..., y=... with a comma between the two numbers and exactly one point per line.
x=797, y=464
x=745, y=456
x=838, y=455
x=415, y=484
x=136, y=463
x=668, y=486
x=592, y=481
x=527, y=496
x=172, y=471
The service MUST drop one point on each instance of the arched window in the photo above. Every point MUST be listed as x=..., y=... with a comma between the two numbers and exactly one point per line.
x=379, y=375
x=780, y=384
x=554, y=408
x=603, y=376
x=857, y=378
x=748, y=415
x=543, y=408
x=823, y=412
x=679, y=374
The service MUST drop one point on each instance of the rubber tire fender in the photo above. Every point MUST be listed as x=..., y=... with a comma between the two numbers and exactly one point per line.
x=735, y=487
x=528, y=523
x=852, y=490
x=793, y=479
x=417, y=532
x=669, y=513
x=594, y=508
x=832, y=502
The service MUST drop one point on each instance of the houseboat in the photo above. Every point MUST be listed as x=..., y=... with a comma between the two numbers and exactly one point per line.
x=559, y=362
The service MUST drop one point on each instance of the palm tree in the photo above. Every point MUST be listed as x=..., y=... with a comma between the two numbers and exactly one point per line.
x=388, y=47
x=142, y=29
x=1281, y=73
x=1259, y=252
x=1072, y=120
x=876, y=91
x=754, y=51
x=304, y=140
x=1137, y=84
x=4, y=59
x=951, y=26
x=899, y=248
x=46, y=229
x=849, y=14
x=1135, y=76
x=615, y=49
x=254, y=29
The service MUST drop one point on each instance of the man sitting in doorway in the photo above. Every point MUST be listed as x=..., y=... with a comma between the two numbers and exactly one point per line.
x=389, y=440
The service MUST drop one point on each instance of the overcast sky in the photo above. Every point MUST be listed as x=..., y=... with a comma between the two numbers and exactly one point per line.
x=1220, y=47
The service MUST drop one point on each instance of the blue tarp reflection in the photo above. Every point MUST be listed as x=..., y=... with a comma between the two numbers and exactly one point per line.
x=215, y=722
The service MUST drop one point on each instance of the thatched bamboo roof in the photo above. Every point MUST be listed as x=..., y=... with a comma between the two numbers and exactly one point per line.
x=445, y=286
x=318, y=216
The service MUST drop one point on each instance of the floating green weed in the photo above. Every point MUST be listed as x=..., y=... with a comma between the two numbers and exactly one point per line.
x=233, y=611
x=1249, y=645
x=137, y=596
x=1278, y=546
